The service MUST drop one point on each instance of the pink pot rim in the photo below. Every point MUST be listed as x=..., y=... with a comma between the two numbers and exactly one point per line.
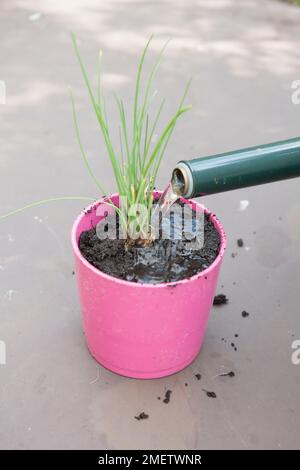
x=96, y=271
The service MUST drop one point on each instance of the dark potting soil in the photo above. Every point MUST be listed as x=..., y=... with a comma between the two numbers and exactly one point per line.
x=165, y=260
x=245, y=314
x=240, y=242
x=210, y=394
x=228, y=374
x=220, y=299
x=142, y=415
x=167, y=396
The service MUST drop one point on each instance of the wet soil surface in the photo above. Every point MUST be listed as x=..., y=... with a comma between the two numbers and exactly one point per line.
x=163, y=261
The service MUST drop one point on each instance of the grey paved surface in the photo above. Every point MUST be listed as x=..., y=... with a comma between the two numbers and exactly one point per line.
x=243, y=56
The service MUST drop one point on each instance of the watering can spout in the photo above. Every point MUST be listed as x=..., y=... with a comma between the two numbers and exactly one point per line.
x=238, y=169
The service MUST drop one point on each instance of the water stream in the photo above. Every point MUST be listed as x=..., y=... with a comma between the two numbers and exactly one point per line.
x=170, y=195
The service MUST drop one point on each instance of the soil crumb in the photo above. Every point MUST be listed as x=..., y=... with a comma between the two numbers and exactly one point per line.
x=167, y=396
x=240, y=242
x=228, y=374
x=142, y=415
x=245, y=314
x=210, y=394
x=220, y=299
x=198, y=376
x=165, y=260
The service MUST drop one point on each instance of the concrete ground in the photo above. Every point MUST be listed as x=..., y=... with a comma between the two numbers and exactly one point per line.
x=243, y=57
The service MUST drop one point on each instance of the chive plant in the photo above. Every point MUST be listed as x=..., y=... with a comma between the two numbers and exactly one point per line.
x=136, y=159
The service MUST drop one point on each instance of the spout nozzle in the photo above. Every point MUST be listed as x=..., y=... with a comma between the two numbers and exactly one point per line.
x=237, y=169
x=182, y=180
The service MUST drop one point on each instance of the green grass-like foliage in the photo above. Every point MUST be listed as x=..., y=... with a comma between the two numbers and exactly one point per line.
x=135, y=160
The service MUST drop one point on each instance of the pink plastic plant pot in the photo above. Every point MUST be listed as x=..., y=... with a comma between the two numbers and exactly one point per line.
x=139, y=330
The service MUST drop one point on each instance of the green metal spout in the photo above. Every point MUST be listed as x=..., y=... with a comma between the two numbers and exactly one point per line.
x=238, y=169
